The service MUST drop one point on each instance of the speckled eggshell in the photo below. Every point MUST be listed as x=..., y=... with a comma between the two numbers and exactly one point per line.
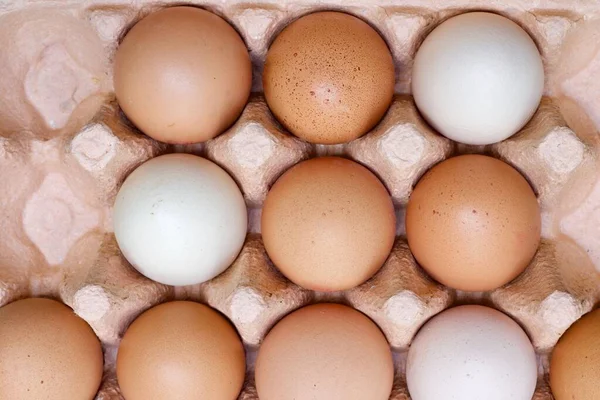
x=575, y=362
x=181, y=350
x=329, y=77
x=328, y=224
x=182, y=75
x=471, y=353
x=47, y=352
x=324, y=352
x=473, y=223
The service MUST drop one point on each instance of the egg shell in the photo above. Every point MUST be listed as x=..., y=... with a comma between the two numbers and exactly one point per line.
x=328, y=224
x=545, y=300
x=575, y=362
x=478, y=78
x=180, y=219
x=473, y=223
x=329, y=77
x=471, y=353
x=47, y=352
x=324, y=351
x=181, y=350
x=182, y=56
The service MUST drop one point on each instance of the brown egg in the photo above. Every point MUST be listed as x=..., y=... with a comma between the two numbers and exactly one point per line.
x=324, y=352
x=47, y=352
x=329, y=77
x=575, y=362
x=182, y=75
x=328, y=224
x=181, y=350
x=473, y=223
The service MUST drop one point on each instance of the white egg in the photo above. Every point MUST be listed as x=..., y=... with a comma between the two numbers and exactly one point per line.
x=471, y=353
x=180, y=219
x=478, y=78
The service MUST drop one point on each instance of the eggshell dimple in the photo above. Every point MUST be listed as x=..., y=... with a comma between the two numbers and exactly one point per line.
x=478, y=78
x=328, y=224
x=329, y=77
x=473, y=223
x=471, y=353
x=182, y=75
x=181, y=350
x=47, y=352
x=323, y=352
x=574, y=371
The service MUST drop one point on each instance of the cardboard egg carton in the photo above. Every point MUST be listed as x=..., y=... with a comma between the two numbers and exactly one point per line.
x=65, y=148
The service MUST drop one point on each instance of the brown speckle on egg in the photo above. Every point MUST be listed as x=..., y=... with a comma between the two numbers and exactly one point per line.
x=470, y=234
x=334, y=68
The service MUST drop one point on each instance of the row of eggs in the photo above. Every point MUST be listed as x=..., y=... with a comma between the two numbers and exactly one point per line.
x=328, y=223
x=184, y=75
x=186, y=350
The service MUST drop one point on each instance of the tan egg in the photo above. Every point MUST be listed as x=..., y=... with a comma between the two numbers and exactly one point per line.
x=182, y=75
x=328, y=224
x=47, y=352
x=329, y=77
x=324, y=352
x=181, y=350
x=575, y=362
x=473, y=223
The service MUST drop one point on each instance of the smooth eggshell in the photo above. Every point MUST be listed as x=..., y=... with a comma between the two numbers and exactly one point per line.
x=180, y=219
x=182, y=75
x=181, y=350
x=473, y=223
x=323, y=352
x=478, y=78
x=47, y=352
x=575, y=362
x=471, y=353
x=328, y=224
x=329, y=77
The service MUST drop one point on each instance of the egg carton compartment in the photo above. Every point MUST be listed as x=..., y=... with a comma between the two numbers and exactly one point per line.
x=65, y=148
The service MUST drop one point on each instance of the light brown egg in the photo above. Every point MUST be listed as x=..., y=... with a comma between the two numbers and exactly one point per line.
x=324, y=352
x=329, y=77
x=181, y=350
x=473, y=223
x=575, y=362
x=328, y=224
x=182, y=75
x=47, y=352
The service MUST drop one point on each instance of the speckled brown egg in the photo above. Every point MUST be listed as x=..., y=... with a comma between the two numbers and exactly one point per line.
x=47, y=352
x=182, y=75
x=328, y=224
x=473, y=223
x=181, y=350
x=329, y=77
x=575, y=362
x=323, y=352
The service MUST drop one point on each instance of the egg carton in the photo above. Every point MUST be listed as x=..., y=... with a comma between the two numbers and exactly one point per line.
x=65, y=148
